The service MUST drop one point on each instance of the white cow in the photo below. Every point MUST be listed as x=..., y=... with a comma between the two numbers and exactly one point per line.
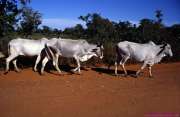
x=24, y=47
x=49, y=53
x=80, y=50
x=148, y=53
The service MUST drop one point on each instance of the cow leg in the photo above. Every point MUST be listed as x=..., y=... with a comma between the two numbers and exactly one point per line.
x=79, y=70
x=116, y=65
x=8, y=60
x=125, y=71
x=123, y=61
x=44, y=61
x=137, y=73
x=15, y=65
x=150, y=70
x=56, y=63
x=37, y=61
x=78, y=65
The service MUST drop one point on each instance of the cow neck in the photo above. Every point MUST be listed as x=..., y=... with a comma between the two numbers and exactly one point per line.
x=159, y=55
x=161, y=50
x=92, y=46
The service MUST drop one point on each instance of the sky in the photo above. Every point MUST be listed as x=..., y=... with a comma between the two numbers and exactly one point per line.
x=64, y=13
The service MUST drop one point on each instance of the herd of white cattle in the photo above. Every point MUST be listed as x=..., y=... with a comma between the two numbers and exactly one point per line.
x=51, y=49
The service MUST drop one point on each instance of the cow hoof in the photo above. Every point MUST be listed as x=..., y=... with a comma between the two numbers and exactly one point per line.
x=116, y=74
x=35, y=70
x=122, y=75
x=42, y=73
x=135, y=75
x=18, y=71
x=60, y=73
x=79, y=73
x=5, y=72
x=140, y=74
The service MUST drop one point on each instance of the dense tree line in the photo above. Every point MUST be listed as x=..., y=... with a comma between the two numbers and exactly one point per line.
x=17, y=19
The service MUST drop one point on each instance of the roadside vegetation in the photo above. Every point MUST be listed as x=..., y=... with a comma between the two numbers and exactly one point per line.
x=17, y=19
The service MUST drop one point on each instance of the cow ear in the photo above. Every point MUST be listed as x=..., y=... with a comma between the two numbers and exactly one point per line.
x=97, y=44
x=164, y=43
x=94, y=50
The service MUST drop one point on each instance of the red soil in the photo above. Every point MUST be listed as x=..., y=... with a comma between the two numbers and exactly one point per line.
x=94, y=93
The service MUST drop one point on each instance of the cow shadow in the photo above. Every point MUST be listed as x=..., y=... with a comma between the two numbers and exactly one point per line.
x=66, y=69
x=111, y=71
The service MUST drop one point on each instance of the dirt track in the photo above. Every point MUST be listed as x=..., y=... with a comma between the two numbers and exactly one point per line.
x=95, y=93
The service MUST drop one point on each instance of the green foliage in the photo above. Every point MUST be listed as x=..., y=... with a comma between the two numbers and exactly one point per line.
x=8, y=13
x=97, y=29
x=30, y=21
x=74, y=32
x=49, y=32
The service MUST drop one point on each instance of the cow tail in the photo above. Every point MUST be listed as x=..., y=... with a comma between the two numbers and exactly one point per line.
x=115, y=57
x=117, y=53
x=9, y=49
x=50, y=52
x=47, y=52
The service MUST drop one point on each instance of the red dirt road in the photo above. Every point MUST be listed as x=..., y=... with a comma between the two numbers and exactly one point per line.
x=94, y=93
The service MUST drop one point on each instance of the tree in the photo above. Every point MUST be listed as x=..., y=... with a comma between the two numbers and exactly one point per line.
x=159, y=16
x=98, y=28
x=57, y=32
x=146, y=28
x=46, y=30
x=175, y=31
x=24, y=2
x=31, y=19
x=8, y=13
x=123, y=30
x=78, y=31
x=85, y=18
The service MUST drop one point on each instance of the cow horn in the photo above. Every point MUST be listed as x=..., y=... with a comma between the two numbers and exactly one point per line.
x=164, y=45
x=99, y=44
